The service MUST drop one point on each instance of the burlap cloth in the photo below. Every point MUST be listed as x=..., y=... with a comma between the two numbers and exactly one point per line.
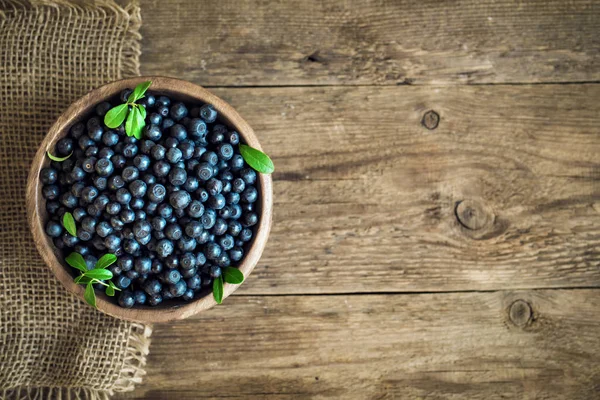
x=52, y=345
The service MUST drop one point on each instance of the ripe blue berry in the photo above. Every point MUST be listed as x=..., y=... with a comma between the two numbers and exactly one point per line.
x=104, y=167
x=54, y=229
x=130, y=174
x=249, y=195
x=173, y=231
x=220, y=227
x=137, y=188
x=115, y=182
x=141, y=162
x=225, y=151
x=208, y=113
x=178, y=111
x=48, y=176
x=140, y=297
x=216, y=202
x=126, y=299
x=177, y=176
x=142, y=265
x=164, y=247
x=180, y=199
x=123, y=196
x=178, y=289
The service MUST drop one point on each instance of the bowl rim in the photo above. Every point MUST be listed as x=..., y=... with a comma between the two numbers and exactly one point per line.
x=36, y=209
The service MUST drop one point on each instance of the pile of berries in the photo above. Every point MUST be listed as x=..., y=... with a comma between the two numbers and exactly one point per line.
x=175, y=207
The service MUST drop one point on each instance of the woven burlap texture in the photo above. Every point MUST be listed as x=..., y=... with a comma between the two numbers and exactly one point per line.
x=52, y=345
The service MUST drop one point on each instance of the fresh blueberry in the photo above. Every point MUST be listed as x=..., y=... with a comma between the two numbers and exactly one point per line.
x=249, y=195
x=104, y=167
x=226, y=242
x=110, y=138
x=118, y=161
x=68, y=200
x=130, y=150
x=163, y=111
x=155, y=119
x=178, y=111
x=131, y=246
x=137, y=203
x=155, y=300
x=126, y=299
x=212, y=250
x=89, y=193
x=165, y=210
x=77, y=130
x=236, y=254
x=216, y=202
x=174, y=155
x=140, y=297
x=130, y=174
x=186, y=243
x=142, y=265
x=156, y=193
x=117, y=224
x=178, y=289
x=220, y=227
x=173, y=232
x=48, y=176
x=137, y=188
x=191, y=184
x=141, y=162
x=127, y=216
x=164, y=248
x=245, y=235
x=167, y=123
x=140, y=215
x=208, y=113
x=69, y=240
x=152, y=286
x=193, y=229
x=236, y=163
x=178, y=132
x=177, y=176
x=151, y=208
x=152, y=132
x=215, y=272
x=161, y=168
x=202, y=194
x=149, y=179
x=142, y=229
x=115, y=182
x=113, y=208
x=179, y=200
x=209, y=218
x=124, y=95
x=112, y=242
x=225, y=212
x=195, y=209
x=54, y=229
x=123, y=196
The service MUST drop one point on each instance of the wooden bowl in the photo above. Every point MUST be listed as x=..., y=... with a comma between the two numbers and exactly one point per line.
x=177, y=89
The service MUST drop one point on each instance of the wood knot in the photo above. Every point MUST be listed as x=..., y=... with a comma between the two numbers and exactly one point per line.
x=430, y=120
x=474, y=214
x=520, y=313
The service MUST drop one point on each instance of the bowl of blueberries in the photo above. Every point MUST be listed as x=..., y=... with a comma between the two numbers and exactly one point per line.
x=150, y=199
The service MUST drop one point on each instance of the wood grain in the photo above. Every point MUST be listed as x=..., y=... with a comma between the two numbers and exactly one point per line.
x=382, y=42
x=434, y=346
x=366, y=198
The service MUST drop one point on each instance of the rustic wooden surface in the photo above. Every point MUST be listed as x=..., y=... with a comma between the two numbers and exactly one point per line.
x=437, y=214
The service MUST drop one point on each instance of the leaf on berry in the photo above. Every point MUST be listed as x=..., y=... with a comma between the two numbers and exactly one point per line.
x=142, y=111
x=135, y=123
x=233, y=275
x=76, y=261
x=106, y=261
x=58, y=159
x=218, y=290
x=116, y=115
x=139, y=91
x=110, y=291
x=69, y=223
x=257, y=159
x=82, y=280
x=100, y=274
x=90, y=295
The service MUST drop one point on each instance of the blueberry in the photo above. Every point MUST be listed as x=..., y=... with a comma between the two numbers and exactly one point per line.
x=163, y=101
x=88, y=164
x=58, y=243
x=69, y=240
x=113, y=208
x=152, y=132
x=140, y=297
x=77, y=130
x=126, y=299
x=155, y=119
x=187, y=150
x=115, y=182
x=132, y=274
x=163, y=111
x=155, y=300
x=140, y=215
x=210, y=157
x=174, y=155
x=89, y=193
x=84, y=142
x=106, y=152
x=116, y=223
x=216, y=136
x=249, y=195
x=123, y=196
x=180, y=199
x=191, y=184
x=173, y=231
x=212, y=250
x=236, y=254
x=68, y=200
x=178, y=111
x=188, y=273
x=77, y=174
x=225, y=212
x=245, y=235
x=209, y=218
x=215, y=271
x=118, y=161
x=161, y=168
x=130, y=174
x=103, y=229
x=220, y=227
x=186, y=243
x=152, y=286
x=167, y=123
x=165, y=210
x=127, y=216
x=187, y=261
x=104, y=167
x=95, y=133
x=52, y=207
x=131, y=246
x=64, y=146
x=124, y=95
x=112, y=242
x=130, y=150
x=226, y=242
x=151, y=208
x=164, y=247
x=178, y=132
x=125, y=263
x=149, y=179
x=178, y=289
x=197, y=128
x=177, y=176
x=171, y=276
x=142, y=229
x=195, y=209
x=204, y=171
x=137, y=204
x=83, y=250
x=172, y=262
x=93, y=211
x=171, y=143
x=232, y=138
x=216, y=202
x=142, y=265
x=157, y=267
x=48, y=176
x=54, y=229
x=89, y=224
x=110, y=138
x=194, y=282
x=137, y=188
x=158, y=152
x=156, y=193
x=202, y=195
x=79, y=214
x=102, y=108
x=193, y=229
x=208, y=113
x=141, y=162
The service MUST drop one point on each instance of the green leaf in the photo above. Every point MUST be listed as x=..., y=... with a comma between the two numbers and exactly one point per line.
x=257, y=159
x=218, y=290
x=233, y=275
x=142, y=111
x=90, y=295
x=58, y=159
x=82, y=280
x=106, y=261
x=76, y=261
x=110, y=291
x=139, y=91
x=69, y=223
x=100, y=274
x=116, y=115
x=112, y=285
x=135, y=123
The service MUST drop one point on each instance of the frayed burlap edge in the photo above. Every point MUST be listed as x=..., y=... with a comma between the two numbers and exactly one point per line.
x=134, y=362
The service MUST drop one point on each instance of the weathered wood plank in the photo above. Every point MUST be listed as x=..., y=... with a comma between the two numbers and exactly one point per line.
x=311, y=42
x=366, y=197
x=458, y=346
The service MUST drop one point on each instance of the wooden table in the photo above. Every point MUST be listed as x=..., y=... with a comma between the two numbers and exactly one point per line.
x=437, y=199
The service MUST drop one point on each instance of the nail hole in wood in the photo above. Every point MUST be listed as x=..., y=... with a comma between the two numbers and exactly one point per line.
x=430, y=120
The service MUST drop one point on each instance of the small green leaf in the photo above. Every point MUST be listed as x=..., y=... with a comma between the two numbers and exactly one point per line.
x=135, y=123
x=76, y=261
x=139, y=91
x=130, y=121
x=90, y=295
x=58, y=159
x=218, y=290
x=112, y=285
x=69, y=223
x=100, y=274
x=116, y=115
x=257, y=159
x=106, y=261
x=110, y=291
x=233, y=275
x=142, y=111
x=82, y=280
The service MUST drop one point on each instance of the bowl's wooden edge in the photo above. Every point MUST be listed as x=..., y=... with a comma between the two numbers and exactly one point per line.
x=59, y=129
